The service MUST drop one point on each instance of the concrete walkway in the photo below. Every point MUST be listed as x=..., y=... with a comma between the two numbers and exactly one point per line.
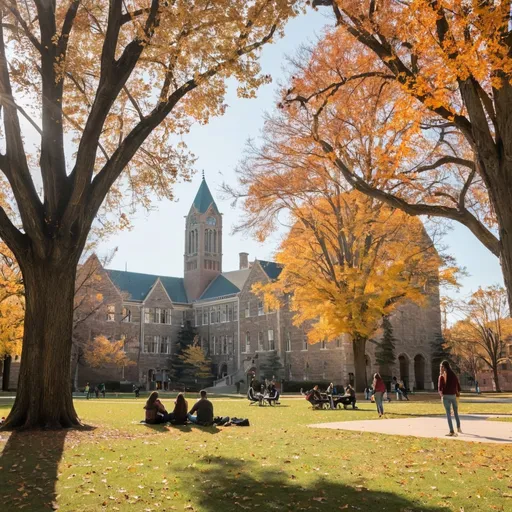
x=475, y=428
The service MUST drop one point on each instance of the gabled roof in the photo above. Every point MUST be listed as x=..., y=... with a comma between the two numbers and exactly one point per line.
x=139, y=285
x=204, y=198
x=219, y=287
x=238, y=277
x=271, y=268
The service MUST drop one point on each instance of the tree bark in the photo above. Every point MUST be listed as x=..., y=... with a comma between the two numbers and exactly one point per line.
x=6, y=374
x=44, y=398
x=496, y=378
x=359, y=349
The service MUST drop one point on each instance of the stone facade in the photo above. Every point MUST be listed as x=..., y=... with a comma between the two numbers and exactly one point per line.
x=234, y=327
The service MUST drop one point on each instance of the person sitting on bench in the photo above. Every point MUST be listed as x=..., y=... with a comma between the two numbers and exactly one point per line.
x=315, y=398
x=349, y=398
x=273, y=395
x=254, y=397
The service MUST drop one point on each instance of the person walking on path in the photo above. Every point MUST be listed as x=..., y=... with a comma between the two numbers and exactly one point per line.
x=87, y=390
x=379, y=389
x=449, y=389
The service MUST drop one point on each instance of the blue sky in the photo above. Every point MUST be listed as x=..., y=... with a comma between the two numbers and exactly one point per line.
x=156, y=243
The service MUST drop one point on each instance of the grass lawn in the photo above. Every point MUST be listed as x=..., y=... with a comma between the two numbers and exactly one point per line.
x=277, y=463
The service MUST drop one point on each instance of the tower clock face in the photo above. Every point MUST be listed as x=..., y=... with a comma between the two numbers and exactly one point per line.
x=211, y=221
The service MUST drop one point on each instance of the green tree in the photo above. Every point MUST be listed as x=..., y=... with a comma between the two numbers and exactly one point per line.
x=271, y=367
x=186, y=337
x=385, y=352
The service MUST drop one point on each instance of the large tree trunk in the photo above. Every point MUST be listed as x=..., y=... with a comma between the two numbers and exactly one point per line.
x=6, y=374
x=44, y=398
x=359, y=348
x=496, y=378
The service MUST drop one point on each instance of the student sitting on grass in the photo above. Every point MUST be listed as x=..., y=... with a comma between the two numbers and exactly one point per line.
x=155, y=410
x=180, y=414
x=204, y=410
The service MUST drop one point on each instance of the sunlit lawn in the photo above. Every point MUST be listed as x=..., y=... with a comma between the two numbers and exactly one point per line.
x=277, y=463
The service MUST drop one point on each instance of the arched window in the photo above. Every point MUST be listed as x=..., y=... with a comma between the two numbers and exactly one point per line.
x=214, y=241
x=189, y=242
x=196, y=245
x=206, y=246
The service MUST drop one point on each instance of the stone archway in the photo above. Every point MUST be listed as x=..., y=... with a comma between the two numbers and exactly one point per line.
x=403, y=361
x=223, y=370
x=419, y=372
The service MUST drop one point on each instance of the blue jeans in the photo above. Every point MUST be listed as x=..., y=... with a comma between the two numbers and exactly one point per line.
x=192, y=419
x=378, y=401
x=451, y=401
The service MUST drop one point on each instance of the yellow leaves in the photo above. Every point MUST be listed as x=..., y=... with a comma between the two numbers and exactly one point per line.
x=348, y=261
x=101, y=352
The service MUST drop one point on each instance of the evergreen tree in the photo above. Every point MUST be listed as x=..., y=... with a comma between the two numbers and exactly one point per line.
x=271, y=367
x=186, y=338
x=385, y=353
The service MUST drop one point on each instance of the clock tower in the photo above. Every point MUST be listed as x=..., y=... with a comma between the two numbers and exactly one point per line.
x=203, y=243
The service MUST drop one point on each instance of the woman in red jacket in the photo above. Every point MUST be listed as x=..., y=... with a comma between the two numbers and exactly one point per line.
x=379, y=388
x=449, y=389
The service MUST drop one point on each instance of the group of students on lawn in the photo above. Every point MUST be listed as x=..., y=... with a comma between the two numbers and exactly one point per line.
x=200, y=414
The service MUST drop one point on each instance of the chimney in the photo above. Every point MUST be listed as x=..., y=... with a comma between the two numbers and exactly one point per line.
x=244, y=260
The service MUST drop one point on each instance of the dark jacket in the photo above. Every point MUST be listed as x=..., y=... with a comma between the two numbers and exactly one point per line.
x=204, y=409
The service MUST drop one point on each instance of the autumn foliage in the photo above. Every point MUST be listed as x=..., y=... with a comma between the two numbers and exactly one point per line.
x=443, y=71
x=347, y=262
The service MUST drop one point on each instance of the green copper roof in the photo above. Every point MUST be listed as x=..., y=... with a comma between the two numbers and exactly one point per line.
x=271, y=268
x=137, y=286
x=219, y=287
x=204, y=198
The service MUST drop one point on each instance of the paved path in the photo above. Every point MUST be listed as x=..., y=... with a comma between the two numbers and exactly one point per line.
x=476, y=428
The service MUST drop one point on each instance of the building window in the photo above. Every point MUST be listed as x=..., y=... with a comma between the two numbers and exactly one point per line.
x=111, y=313
x=229, y=343
x=323, y=345
x=248, y=309
x=214, y=345
x=338, y=342
x=288, y=342
x=157, y=316
x=260, y=342
x=247, y=342
x=230, y=312
x=261, y=309
x=217, y=312
x=151, y=344
x=271, y=344
x=205, y=316
x=127, y=315
x=304, y=342
x=166, y=316
x=212, y=315
x=165, y=345
x=224, y=344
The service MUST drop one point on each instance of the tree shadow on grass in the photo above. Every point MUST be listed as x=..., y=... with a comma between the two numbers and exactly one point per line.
x=234, y=485
x=29, y=469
